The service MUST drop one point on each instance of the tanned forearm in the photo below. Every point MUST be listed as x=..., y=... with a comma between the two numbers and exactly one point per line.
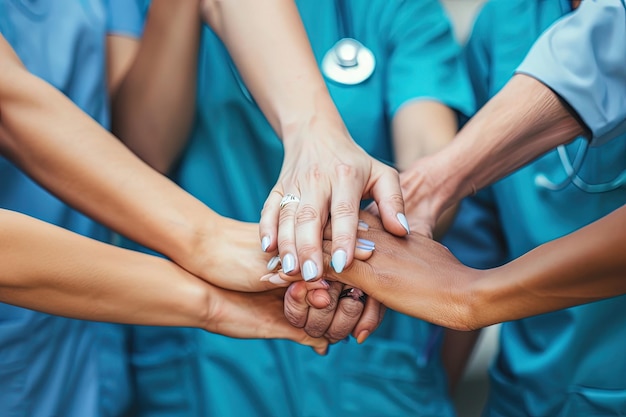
x=585, y=266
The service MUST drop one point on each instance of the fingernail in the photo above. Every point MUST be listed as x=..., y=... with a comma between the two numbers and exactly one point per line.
x=265, y=243
x=309, y=270
x=402, y=219
x=339, y=260
x=365, y=242
x=366, y=248
x=362, y=336
x=267, y=277
x=273, y=263
x=289, y=263
x=363, y=226
x=277, y=280
x=325, y=283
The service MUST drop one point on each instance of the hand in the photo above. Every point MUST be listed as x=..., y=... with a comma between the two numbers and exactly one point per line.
x=228, y=256
x=258, y=316
x=333, y=309
x=349, y=311
x=413, y=275
x=424, y=200
x=329, y=174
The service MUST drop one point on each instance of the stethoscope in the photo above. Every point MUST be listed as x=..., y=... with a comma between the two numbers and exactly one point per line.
x=348, y=61
x=572, y=169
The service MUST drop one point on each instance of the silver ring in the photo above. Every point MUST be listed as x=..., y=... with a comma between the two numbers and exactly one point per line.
x=289, y=198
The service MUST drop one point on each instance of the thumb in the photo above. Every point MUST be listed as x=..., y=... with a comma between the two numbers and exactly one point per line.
x=387, y=194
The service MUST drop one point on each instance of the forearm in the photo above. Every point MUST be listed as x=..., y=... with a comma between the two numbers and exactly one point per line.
x=276, y=62
x=519, y=124
x=584, y=266
x=154, y=107
x=71, y=155
x=50, y=269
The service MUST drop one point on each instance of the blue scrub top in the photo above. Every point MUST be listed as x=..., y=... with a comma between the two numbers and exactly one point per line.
x=232, y=161
x=570, y=362
x=51, y=365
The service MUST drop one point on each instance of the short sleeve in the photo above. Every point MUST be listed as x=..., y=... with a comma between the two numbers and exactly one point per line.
x=582, y=58
x=125, y=17
x=425, y=59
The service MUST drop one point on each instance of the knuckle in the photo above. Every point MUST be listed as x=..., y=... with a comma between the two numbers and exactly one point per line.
x=344, y=170
x=339, y=332
x=306, y=214
x=351, y=309
x=316, y=328
x=344, y=209
x=294, y=316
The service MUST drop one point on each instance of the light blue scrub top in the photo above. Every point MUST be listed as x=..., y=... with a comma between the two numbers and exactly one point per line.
x=571, y=362
x=53, y=366
x=232, y=161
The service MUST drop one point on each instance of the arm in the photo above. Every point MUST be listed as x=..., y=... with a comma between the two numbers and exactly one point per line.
x=527, y=117
x=50, y=269
x=584, y=266
x=523, y=121
x=71, y=155
x=323, y=166
x=154, y=102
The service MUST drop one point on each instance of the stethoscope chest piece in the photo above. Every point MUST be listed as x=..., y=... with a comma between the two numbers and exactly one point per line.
x=348, y=62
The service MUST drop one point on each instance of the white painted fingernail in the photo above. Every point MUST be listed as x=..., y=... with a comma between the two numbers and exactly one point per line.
x=402, y=219
x=289, y=263
x=265, y=243
x=339, y=260
x=273, y=263
x=277, y=280
x=363, y=226
x=309, y=270
x=366, y=248
x=365, y=242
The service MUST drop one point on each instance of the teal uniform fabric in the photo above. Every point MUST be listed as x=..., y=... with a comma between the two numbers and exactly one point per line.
x=232, y=161
x=570, y=362
x=53, y=366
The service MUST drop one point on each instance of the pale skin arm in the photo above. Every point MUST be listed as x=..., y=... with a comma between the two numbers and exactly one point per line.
x=153, y=82
x=323, y=165
x=50, y=269
x=71, y=155
x=419, y=277
x=523, y=121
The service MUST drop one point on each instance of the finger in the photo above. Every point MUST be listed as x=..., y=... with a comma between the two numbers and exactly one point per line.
x=370, y=320
x=388, y=196
x=349, y=308
x=296, y=307
x=268, y=225
x=312, y=209
x=344, y=216
x=286, y=235
x=364, y=250
x=319, y=319
x=362, y=226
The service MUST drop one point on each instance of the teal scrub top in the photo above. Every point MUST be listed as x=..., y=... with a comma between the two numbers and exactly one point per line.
x=231, y=162
x=53, y=366
x=570, y=362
